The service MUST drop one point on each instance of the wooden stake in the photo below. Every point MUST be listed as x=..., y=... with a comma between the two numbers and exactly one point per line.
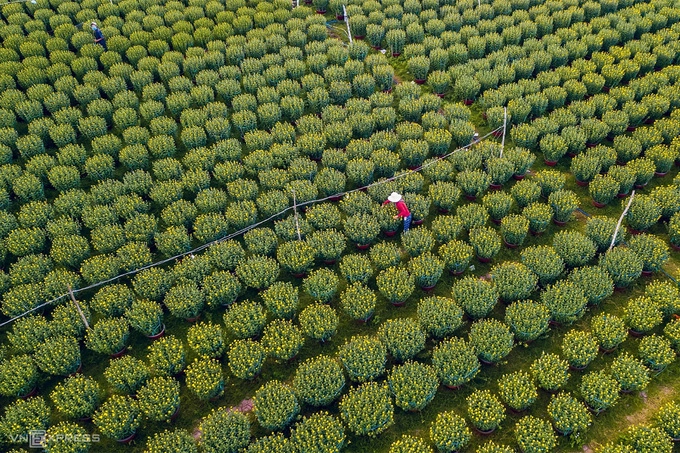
x=297, y=223
x=80, y=311
x=618, y=225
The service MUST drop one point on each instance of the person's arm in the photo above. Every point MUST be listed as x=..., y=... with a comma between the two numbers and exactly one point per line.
x=385, y=202
x=403, y=210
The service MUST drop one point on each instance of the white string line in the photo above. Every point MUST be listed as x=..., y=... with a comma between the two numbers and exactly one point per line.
x=246, y=229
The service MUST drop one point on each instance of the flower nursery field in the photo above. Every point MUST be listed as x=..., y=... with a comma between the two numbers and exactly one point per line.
x=196, y=258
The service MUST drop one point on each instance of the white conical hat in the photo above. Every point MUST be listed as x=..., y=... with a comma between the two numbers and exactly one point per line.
x=394, y=197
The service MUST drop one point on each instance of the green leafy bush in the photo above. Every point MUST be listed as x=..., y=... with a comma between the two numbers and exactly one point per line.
x=517, y=390
x=491, y=339
x=569, y=416
x=363, y=358
x=485, y=410
x=527, y=319
x=204, y=378
x=579, y=348
x=642, y=315
x=319, y=381
x=367, y=409
x=630, y=373
x=565, y=301
x=513, y=281
x=550, y=371
x=534, y=435
x=403, y=338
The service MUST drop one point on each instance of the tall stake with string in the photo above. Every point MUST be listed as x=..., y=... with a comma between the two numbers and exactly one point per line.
x=618, y=225
x=297, y=223
x=349, y=33
x=505, y=124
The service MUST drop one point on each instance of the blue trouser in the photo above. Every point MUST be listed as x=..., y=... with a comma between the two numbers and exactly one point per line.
x=407, y=222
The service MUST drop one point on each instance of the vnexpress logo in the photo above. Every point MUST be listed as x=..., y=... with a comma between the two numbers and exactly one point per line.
x=36, y=438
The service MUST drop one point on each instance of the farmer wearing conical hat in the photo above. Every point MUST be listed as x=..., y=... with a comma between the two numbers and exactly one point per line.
x=402, y=209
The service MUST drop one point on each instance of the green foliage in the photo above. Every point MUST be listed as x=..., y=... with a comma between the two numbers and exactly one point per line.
x=579, y=348
x=527, y=319
x=477, y=297
x=485, y=410
x=275, y=405
x=455, y=361
x=491, y=339
x=517, y=390
x=319, y=381
x=367, y=409
x=534, y=435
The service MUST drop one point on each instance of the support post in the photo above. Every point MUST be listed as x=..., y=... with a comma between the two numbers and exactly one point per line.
x=349, y=33
x=297, y=223
x=80, y=311
x=505, y=124
x=618, y=224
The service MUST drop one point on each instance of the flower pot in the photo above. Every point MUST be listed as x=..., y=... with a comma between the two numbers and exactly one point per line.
x=599, y=205
x=455, y=272
x=675, y=247
x=419, y=81
x=175, y=414
x=497, y=134
x=340, y=17
x=468, y=101
x=536, y=233
x=621, y=195
x=158, y=335
x=606, y=89
x=470, y=197
x=559, y=222
x=483, y=260
x=496, y=221
x=510, y=246
x=635, y=334
x=441, y=95
x=127, y=440
x=484, y=433
x=427, y=288
x=647, y=273
x=418, y=222
x=215, y=398
x=519, y=177
x=582, y=183
x=119, y=353
x=399, y=304
x=443, y=210
x=330, y=262
x=607, y=351
x=452, y=387
x=570, y=154
x=649, y=121
x=413, y=167
x=660, y=174
x=299, y=275
x=320, y=11
x=363, y=246
x=550, y=163
x=495, y=186
x=388, y=91
x=365, y=321
x=631, y=128
x=194, y=319
x=634, y=232
x=577, y=368
x=640, y=186
x=396, y=54
x=554, y=323
x=335, y=198
x=359, y=37
x=591, y=145
x=32, y=392
x=389, y=234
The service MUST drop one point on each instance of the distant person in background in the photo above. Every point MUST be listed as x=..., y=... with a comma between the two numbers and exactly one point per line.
x=402, y=210
x=98, y=35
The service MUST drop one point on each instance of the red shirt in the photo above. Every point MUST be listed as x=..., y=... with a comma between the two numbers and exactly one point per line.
x=402, y=210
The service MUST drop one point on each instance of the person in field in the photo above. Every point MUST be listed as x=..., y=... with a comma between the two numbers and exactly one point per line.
x=98, y=35
x=402, y=209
